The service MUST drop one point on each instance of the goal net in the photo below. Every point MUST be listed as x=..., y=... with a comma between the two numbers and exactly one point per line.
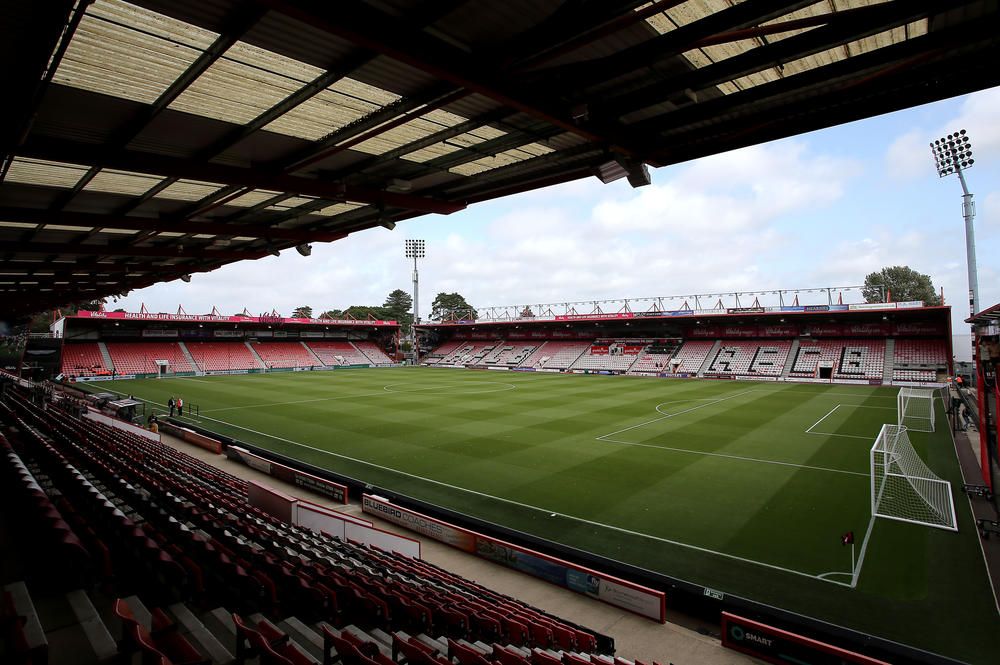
x=903, y=488
x=915, y=408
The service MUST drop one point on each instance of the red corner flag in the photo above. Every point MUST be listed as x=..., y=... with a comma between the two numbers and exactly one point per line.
x=847, y=538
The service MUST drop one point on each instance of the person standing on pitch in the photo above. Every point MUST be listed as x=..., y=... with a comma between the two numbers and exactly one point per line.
x=170, y=404
x=180, y=407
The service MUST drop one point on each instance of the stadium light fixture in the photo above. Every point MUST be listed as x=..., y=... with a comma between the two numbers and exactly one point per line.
x=305, y=249
x=415, y=249
x=953, y=154
x=186, y=278
x=618, y=168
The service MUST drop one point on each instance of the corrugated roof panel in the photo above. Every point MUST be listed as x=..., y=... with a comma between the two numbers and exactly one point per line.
x=128, y=52
x=252, y=198
x=244, y=83
x=505, y=158
x=44, y=173
x=324, y=113
x=434, y=151
x=121, y=182
x=448, y=146
x=337, y=209
x=293, y=202
x=413, y=130
x=694, y=9
x=854, y=48
x=188, y=190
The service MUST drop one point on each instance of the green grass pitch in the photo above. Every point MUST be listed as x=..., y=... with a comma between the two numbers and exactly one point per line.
x=744, y=487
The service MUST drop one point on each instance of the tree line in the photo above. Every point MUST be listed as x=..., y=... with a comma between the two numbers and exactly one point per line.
x=398, y=306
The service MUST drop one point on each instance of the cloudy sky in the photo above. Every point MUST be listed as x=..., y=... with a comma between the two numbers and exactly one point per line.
x=822, y=209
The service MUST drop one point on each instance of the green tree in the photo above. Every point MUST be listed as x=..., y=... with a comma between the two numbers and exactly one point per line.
x=398, y=306
x=332, y=314
x=903, y=283
x=526, y=313
x=304, y=312
x=452, y=306
x=363, y=312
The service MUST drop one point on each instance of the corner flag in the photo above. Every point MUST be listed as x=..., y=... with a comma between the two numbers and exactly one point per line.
x=847, y=538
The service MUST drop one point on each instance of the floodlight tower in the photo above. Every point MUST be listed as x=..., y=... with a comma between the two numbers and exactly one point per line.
x=953, y=154
x=415, y=249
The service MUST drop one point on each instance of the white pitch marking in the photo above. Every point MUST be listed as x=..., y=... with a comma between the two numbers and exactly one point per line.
x=808, y=431
x=845, y=436
x=536, y=508
x=736, y=457
x=671, y=415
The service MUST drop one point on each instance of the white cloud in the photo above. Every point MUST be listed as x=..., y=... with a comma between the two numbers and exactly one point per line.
x=708, y=226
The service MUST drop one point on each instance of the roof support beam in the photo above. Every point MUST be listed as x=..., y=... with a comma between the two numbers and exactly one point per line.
x=646, y=54
x=356, y=23
x=90, y=220
x=193, y=252
x=161, y=165
x=841, y=28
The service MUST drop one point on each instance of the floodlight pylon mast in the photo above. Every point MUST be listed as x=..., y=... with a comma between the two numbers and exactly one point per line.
x=969, y=213
x=415, y=249
x=953, y=154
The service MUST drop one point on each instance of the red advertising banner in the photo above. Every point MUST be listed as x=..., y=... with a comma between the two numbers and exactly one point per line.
x=599, y=350
x=781, y=647
x=826, y=330
x=867, y=329
x=594, y=317
x=739, y=331
x=919, y=328
x=778, y=331
x=706, y=331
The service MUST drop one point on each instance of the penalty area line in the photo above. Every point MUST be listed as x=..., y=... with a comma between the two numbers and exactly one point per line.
x=735, y=457
x=536, y=508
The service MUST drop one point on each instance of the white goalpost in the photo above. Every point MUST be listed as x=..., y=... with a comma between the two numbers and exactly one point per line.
x=902, y=486
x=915, y=409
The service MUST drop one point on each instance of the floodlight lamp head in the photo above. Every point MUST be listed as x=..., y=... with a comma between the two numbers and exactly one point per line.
x=186, y=278
x=305, y=249
x=415, y=249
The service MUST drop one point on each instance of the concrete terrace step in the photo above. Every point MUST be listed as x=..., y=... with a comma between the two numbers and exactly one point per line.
x=260, y=618
x=33, y=633
x=200, y=637
x=101, y=644
x=306, y=637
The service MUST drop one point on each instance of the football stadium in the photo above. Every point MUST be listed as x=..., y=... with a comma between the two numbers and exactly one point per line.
x=789, y=475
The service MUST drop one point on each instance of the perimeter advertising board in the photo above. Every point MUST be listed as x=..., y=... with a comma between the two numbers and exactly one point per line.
x=620, y=593
x=774, y=645
x=327, y=488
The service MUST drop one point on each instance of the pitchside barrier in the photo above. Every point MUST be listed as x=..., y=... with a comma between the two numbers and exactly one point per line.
x=290, y=510
x=122, y=425
x=593, y=584
x=335, y=491
x=782, y=647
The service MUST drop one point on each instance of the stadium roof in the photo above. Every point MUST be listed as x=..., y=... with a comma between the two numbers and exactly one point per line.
x=157, y=138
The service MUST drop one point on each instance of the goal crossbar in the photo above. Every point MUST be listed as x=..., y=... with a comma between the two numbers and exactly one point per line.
x=903, y=488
